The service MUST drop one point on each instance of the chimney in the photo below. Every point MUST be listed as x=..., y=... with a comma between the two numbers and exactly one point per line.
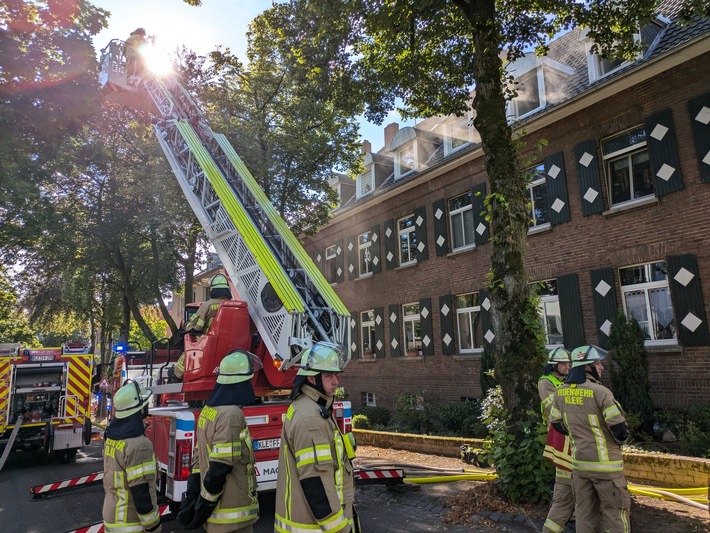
x=366, y=147
x=390, y=131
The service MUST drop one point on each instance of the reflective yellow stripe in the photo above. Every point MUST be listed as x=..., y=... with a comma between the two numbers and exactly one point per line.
x=305, y=262
x=242, y=221
x=552, y=526
x=123, y=527
x=562, y=473
x=233, y=515
x=308, y=455
x=282, y=525
x=225, y=450
x=140, y=470
x=555, y=413
x=121, y=513
x=593, y=466
x=340, y=452
x=610, y=412
x=599, y=439
x=335, y=522
x=150, y=518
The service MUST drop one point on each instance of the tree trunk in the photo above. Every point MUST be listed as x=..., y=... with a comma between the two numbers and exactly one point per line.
x=155, y=283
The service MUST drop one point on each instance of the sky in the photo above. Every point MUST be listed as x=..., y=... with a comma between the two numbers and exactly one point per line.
x=216, y=22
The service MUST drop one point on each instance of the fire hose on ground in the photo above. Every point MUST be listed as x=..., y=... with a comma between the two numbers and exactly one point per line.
x=13, y=436
x=694, y=497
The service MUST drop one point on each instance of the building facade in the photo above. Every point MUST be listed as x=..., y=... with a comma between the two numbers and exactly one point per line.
x=620, y=219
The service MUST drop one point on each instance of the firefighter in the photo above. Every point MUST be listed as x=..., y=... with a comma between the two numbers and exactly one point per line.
x=134, y=61
x=200, y=322
x=130, y=502
x=587, y=411
x=315, y=486
x=222, y=489
x=557, y=447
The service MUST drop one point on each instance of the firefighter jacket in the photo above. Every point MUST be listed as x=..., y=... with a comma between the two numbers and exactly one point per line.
x=223, y=438
x=130, y=502
x=558, y=448
x=202, y=319
x=588, y=410
x=315, y=488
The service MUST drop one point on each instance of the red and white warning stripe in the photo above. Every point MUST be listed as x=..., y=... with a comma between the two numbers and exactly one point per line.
x=379, y=474
x=45, y=490
x=99, y=528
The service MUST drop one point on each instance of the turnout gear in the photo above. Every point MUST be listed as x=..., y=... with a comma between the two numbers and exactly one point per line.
x=227, y=501
x=219, y=287
x=322, y=357
x=588, y=412
x=315, y=489
x=130, y=501
x=237, y=366
x=558, y=355
x=201, y=321
x=130, y=399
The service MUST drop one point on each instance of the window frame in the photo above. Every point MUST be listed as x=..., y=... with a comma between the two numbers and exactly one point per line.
x=541, y=179
x=549, y=285
x=520, y=81
x=360, y=182
x=398, y=174
x=448, y=134
x=646, y=287
x=364, y=248
x=462, y=211
x=412, y=319
x=369, y=399
x=367, y=329
x=330, y=263
x=410, y=231
x=627, y=153
x=470, y=311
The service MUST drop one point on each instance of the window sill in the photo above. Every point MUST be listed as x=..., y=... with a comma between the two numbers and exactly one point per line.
x=653, y=349
x=411, y=357
x=406, y=265
x=467, y=356
x=367, y=359
x=627, y=206
x=364, y=276
x=542, y=228
x=461, y=251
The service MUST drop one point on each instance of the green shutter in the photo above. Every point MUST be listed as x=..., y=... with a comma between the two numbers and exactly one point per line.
x=481, y=230
x=700, y=119
x=339, y=261
x=446, y=323
x=318, y=258
x=606, y=306
x=353, y=260
x=396, y=348
x=557, y=197
x=688, y=306
x=390, y=244
x=590, y=183
x=441, y=225
x=425, y=316
x=355, y=350
x=375, y=249
x=486, y=323
x=420, y=225
x=660, y=136
x=570, y=311
x=380, y=342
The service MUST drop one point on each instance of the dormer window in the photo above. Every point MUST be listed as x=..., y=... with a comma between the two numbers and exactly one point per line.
x=597, y=66
x=539, y=81
x=459, y=133
x=531, y=93
x=365, y=183
x=405, y=160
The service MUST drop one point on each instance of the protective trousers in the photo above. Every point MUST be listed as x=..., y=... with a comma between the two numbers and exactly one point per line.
x=602, y=497
x=562, y=505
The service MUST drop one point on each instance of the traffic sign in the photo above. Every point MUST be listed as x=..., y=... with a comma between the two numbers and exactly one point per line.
x=104, y=384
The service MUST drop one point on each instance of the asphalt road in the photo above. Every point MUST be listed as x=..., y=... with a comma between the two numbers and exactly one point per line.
x=381, y=510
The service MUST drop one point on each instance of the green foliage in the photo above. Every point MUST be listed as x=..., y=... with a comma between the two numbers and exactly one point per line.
x=341, y=394
x=361, y=422
x=516, y=451
x=693, y=440
x=629, y=370
x=154, y=320
x=457, y=418
x=379, y=417
x=488, y=362
x=13, y=322
x=411, y=413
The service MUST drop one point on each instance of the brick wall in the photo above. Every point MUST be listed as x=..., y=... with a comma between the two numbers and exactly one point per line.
x=677, y=224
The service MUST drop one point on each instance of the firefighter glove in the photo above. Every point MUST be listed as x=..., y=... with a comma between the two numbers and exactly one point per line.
x=203, y=510
x=189, y=499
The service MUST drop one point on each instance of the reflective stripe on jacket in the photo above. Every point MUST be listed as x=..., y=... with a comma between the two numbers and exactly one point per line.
x=312, y=446
x=558, y=448
x=128, y=463
x=223, y=437
x=202, y=319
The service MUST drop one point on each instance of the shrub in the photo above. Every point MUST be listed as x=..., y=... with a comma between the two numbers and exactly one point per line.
x=411, y=413
x=457, y=419
x=487, y=365
x=693, y=440
x=341, y=394
x=361, y=422
x=700, y=416
x=378, y=416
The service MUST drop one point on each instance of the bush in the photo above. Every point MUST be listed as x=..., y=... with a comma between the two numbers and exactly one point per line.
x=693, y=440
x=361, y=422
x=378, y=416
x=410, y=414
x=341, y=394
x=457, y=419
x=700, y=416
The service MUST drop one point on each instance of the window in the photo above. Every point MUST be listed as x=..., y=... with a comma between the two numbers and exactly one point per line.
x=647, y=298
x=406, y=159
x=368, y=399
x=367, y=329
x=412, y=327
x=606, y=66
x=365, y=183
x=364, y=243
x=468, y=319
x=407, y=236
x=459, y=134
x=628, y=167
x=537, y=194
x=530, y=96
x=550, y=312
x=461, y=218
x=331, y=253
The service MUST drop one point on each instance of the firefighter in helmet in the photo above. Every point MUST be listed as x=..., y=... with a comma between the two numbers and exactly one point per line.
x=130, y=501
x=134, y=61
x=221, y=490
x=557, y=447
x=200, y=322
x=587, y=411
x=315, y=488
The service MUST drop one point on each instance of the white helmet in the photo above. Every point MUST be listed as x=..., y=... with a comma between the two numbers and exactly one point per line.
x=130, y=398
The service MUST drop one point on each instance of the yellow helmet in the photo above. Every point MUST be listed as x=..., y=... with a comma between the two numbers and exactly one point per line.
x=322, y=357
x=238, y=366
x=130, y=398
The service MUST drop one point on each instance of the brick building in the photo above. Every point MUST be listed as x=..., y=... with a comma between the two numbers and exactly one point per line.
x=619, y=219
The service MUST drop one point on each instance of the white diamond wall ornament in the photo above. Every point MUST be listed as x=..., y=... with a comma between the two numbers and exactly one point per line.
x=659, y=132
x=586, y=159
x=394, y=344
x=554, y=171
x=339, y=250
x=590, y=195
x=425, y=312
x=388, y=232
x=375, y=261
x=440, y=241
x=606, y=327
x=351, y=268
x=704, y=115
x=318, y=258
x=447, y=339
x=684, y=276
x=558, y=205
x=706, y=159
x=374, y=237
x=489, y=336
x=379, y=345
x=353, y=347
x=486, y=304
x=445, y=310
x=602, y=288
x=481, y=228
x=393, y=317
x=665, y=172
x=691, y=322
x=350, y=246
x=340, y=271
x=378, y=319
x=420, y=246
x=426, y=340
x=438, y=214
x=352, y=323
x=419, y=221
x=389, y=256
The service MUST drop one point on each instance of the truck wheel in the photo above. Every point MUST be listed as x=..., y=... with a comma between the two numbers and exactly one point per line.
x=87, y=431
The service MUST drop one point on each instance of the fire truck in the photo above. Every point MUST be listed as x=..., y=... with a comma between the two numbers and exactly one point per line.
x=44, y=399
x=285, y=304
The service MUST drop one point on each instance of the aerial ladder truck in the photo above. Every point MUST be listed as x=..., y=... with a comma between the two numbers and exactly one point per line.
x=285, y=304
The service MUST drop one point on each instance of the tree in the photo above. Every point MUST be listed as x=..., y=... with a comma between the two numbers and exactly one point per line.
x=283, y=122
x=13, y=322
